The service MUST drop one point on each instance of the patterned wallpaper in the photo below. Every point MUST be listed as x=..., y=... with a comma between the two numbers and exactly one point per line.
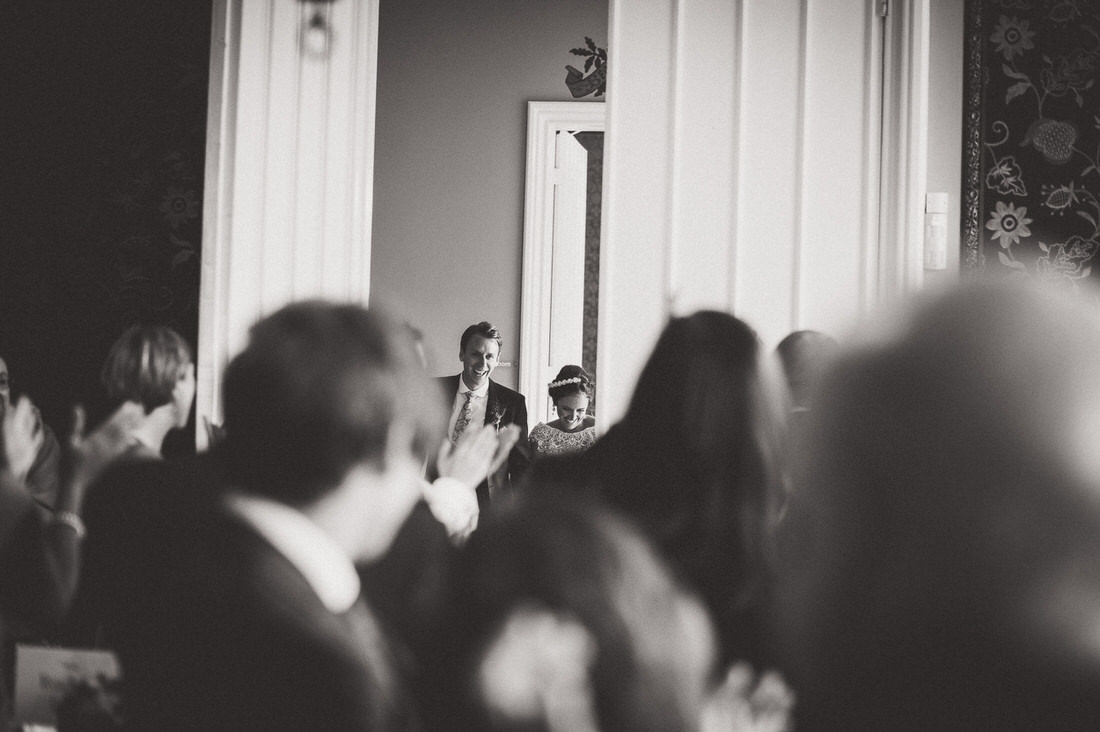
x=593, y=143
x=101, y=198
x=1032, y=175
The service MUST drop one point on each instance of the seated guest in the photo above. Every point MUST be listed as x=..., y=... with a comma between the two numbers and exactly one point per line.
x=695, y=461
x=259, y=623
x=948, y=522
x=473, y=398
x=153, y=366
x=574, y=430
x=565, y=619
x=39, y=556
x=43, y=475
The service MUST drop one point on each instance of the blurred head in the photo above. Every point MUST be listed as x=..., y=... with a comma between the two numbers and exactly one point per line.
x=707, y=418
x=321, y=389
x=479, y=352
x=567, y=612
x=571, y=391
x=804, y=355
x=947, y=521
x=151, y=365
x=707, y=388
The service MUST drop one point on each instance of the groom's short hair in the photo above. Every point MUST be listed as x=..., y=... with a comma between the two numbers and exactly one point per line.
x=485, y=329
x=317, y=391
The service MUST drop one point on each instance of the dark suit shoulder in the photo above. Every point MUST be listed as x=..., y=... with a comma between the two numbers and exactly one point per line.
x=252, y=646
x=500, y=391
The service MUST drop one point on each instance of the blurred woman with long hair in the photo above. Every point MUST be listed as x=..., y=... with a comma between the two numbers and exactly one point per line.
x=696, y=463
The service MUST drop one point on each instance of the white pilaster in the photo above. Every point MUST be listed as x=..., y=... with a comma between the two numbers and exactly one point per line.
x=743, y=168
x=289, y=170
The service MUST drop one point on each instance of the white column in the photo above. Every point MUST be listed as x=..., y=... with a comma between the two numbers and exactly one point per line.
x=289, y=170
x=637, y=196
x=905, y=139
x=743, y=170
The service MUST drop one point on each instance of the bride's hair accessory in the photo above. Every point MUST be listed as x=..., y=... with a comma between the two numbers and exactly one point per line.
x=563, y=382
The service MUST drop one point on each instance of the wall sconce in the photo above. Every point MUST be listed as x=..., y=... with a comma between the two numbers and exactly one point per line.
x=315, y=38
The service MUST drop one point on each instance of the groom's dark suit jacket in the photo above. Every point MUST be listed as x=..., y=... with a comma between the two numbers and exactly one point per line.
x=503, y=407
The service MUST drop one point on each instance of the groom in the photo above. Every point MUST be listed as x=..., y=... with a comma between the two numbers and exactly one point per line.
x=472, y=398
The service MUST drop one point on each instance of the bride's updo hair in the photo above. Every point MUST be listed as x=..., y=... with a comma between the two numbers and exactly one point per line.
x=571, y=380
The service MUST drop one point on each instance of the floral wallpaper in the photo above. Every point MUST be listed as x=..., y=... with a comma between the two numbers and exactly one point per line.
x=1033, y=138
x=101, y=202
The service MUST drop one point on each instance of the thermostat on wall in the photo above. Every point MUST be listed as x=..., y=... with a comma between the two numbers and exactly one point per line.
x=935, y=231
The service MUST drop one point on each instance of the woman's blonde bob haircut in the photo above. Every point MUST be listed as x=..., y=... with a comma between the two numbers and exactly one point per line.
x=144, y=365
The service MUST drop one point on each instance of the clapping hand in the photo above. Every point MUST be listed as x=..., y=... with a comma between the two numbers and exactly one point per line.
x=90, y=453
x=480, y=451
x=506, y=440
x=23, y=436
x=745, y=703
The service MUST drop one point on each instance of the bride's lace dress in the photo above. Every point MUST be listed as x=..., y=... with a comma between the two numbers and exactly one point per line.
x=546, y=440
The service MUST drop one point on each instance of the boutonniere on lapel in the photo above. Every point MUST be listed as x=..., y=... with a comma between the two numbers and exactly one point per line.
x=496, y=415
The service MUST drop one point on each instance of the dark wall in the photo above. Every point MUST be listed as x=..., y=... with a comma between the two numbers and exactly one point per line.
x=101, y=177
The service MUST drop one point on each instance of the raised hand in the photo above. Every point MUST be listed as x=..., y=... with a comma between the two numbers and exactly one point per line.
x=743, y=703
x=454, y=504
x=480, y=451
x=23, y=436
x=506, y=440
x=473, y=458
x=89, y=454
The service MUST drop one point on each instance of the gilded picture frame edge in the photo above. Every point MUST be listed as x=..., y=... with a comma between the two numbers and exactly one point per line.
x=971, y=254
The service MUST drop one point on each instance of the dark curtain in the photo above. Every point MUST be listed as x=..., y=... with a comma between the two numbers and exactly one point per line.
x=101, y=183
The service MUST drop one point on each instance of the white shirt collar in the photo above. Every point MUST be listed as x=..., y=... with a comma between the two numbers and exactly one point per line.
x=478, y=392
x=326, y=566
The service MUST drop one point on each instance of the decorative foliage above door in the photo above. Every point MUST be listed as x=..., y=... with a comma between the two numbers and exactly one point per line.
x=595, y=61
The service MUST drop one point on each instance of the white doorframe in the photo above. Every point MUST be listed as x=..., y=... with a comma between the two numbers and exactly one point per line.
x=242, y=195
x=553, y=224
x=904, y=167
x=289, y=171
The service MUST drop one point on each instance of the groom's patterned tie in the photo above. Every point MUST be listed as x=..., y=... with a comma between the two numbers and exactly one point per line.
x=463, y=420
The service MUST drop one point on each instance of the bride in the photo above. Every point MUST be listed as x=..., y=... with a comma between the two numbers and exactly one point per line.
x=574, y=430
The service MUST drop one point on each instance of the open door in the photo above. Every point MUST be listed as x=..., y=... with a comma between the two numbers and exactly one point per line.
x=560, y=245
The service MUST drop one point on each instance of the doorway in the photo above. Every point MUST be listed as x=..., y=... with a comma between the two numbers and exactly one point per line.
x=561, y=239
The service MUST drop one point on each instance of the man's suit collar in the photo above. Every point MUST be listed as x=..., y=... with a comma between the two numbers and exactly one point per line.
x=323, y=564
x=479, y=392
x=455, y=383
